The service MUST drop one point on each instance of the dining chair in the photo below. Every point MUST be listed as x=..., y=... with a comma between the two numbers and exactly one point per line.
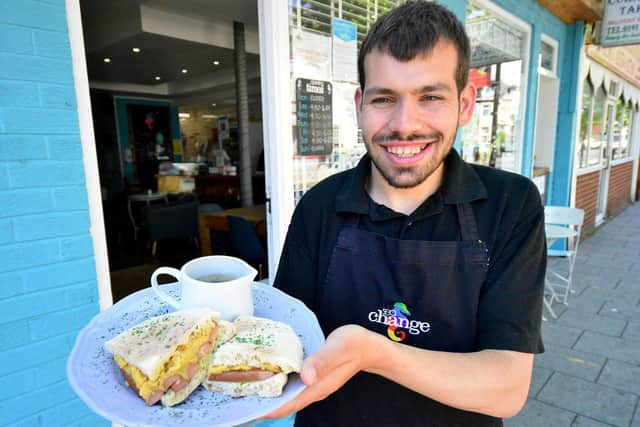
x=246, y=244
x=559, y=277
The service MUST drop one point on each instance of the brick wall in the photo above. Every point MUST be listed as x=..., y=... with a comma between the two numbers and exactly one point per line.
x=48, y=287
x=619, y=187
x=587, y=198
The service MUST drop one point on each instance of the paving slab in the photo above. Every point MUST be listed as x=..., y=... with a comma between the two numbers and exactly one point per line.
x=619, y=310
x=537, y=414
x=571, y=362
x=581, y=421
x=557, y=334
x=632, y=331
x=584, y=397
x=539, y=377
x=621, y=375
x=625, y=350
x=592, y=322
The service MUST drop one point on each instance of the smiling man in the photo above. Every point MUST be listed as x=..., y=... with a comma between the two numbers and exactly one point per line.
x=426, y=273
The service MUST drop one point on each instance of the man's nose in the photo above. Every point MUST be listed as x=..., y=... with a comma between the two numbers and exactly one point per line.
x=406, y=119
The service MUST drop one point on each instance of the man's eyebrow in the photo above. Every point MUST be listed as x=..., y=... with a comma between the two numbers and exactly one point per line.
x=436, y=87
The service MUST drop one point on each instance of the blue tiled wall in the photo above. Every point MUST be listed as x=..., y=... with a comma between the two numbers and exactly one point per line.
x=48, y=285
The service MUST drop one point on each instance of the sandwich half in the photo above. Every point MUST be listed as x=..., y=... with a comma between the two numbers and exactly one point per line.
x=166, y=357
x=256, y=360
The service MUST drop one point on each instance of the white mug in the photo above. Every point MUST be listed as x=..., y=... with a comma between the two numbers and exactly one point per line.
x=222, y=283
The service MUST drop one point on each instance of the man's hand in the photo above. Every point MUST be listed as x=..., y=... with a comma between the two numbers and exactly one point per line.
x=341, y=357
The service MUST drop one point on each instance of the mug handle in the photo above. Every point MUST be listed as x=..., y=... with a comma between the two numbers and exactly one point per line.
x=163, y=295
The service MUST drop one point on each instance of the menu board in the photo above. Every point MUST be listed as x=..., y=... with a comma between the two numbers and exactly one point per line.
x=314, y=122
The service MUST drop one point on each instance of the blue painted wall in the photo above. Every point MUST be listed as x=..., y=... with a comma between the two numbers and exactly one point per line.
x=48, y=287
x=570, y=42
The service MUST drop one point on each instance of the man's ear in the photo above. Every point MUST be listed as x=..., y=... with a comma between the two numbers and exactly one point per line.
x=357, y=99
x=467, y=104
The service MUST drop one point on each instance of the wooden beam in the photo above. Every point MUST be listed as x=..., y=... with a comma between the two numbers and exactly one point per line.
x=571, y=11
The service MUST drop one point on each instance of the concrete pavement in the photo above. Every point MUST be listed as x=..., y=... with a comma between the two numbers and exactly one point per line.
x=590, y=372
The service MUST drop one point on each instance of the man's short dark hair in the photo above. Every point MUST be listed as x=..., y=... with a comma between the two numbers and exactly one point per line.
x=415, y=28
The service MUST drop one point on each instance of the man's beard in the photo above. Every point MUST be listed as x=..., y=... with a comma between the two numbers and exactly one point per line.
x=419, y=173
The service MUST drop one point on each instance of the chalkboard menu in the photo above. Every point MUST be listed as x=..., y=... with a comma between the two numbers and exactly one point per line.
x=314, y=121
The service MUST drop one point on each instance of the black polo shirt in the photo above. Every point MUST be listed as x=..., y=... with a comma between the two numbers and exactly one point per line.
x=510, y=220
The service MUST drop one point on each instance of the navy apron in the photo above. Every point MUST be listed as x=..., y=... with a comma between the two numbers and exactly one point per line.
x=420, y=293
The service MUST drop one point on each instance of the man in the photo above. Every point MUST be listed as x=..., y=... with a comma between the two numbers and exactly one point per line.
x=426, y=273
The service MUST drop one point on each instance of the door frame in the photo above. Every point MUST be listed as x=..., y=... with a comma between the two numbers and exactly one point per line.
x=89, y=154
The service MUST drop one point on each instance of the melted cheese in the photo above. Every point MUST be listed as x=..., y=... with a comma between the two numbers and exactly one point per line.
x=177, y=364
x=258, y=344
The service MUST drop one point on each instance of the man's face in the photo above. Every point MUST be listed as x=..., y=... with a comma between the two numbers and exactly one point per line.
x=409, y=112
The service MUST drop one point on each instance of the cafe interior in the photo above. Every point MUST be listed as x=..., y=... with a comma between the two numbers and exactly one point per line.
x=175, y=97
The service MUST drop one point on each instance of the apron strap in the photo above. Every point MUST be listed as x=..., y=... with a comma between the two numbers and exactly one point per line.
x=468, y=226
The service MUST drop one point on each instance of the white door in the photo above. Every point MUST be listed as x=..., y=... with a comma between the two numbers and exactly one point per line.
x=545, y=132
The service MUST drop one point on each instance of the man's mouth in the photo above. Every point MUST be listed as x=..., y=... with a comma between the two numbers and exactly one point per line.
x=405, y=150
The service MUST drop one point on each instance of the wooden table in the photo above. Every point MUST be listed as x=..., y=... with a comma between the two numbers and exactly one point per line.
x=217, y=221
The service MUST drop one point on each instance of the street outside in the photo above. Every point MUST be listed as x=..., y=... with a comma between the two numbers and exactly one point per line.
x=589, y=374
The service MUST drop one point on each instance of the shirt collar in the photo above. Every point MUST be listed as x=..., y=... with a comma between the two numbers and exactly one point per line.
x=461, y=184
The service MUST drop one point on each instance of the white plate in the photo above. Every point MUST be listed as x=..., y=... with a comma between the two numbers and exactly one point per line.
x=96, y=379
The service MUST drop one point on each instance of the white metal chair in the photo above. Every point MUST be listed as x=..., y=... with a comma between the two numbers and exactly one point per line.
x=558, y=282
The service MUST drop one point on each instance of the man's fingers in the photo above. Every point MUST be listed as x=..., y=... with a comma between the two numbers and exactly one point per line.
x=323, y=387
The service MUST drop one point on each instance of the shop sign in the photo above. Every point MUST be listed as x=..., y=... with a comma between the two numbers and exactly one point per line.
x=621, y=23
x=345, y=50
x=311, y=54
x=314, y=122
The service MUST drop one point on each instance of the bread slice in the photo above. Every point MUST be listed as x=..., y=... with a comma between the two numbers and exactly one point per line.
x=166, y=357
x=256, y=360
x=271, y=387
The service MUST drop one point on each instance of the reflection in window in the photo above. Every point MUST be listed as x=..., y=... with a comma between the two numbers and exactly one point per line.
x=618, y=120
x=622, y=148
x=585, y=119
x=598, y=129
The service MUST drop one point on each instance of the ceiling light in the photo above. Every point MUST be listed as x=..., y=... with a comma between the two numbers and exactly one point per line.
x=209, y=116
x=213, y=104
x=157, y=77
x=184, y=71
x=136, y=50
x=216, y=62
x=184, y=115
x=107, y=60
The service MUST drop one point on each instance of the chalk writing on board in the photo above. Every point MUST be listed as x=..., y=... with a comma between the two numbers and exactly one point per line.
x=314, y=121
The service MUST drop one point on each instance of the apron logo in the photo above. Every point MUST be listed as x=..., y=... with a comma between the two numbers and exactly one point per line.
x=395, y=318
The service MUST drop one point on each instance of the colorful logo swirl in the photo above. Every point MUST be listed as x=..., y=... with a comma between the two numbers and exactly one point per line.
x=400, y=311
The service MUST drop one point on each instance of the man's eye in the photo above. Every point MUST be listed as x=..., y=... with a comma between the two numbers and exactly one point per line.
x=431, y=98
x=381, y=100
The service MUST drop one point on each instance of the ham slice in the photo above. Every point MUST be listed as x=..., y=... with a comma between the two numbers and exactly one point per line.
x=242, y=376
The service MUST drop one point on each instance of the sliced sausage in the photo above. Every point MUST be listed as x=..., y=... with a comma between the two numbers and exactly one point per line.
x=171, y=381
x=205, y=349
x=242, y=376
x=129, y=380
x=192, y=369
x=155, y=397
x=179, y=385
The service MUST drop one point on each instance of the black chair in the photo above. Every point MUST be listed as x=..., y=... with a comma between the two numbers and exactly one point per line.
x=172, y=220
x=246, y=244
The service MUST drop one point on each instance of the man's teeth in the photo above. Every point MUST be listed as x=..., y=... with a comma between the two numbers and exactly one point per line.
x=405, y=151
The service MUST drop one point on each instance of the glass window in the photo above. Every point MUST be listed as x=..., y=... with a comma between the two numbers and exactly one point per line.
x=327, y=130
x=598, y=129
x=547, y=56
x=618, y=120
x=497, y=48
x=585, y=123
x=625, y=133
